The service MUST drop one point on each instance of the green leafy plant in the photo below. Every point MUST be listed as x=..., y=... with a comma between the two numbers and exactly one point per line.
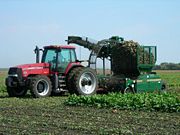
x=165, y=102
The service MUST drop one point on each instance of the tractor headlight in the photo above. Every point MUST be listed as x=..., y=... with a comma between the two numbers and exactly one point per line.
x=13, y=75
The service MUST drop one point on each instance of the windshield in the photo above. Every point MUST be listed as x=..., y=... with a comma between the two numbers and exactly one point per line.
x=49, y=56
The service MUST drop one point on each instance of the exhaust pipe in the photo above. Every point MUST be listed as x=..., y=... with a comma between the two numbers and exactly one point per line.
x=36, y=50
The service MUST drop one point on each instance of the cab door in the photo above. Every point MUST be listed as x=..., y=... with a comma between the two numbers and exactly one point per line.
x=65, y=56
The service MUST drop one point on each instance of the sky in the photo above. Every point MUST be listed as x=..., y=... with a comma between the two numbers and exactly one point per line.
x=27, y=23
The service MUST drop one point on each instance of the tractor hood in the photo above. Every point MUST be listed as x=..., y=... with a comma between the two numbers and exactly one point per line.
x=34, y=69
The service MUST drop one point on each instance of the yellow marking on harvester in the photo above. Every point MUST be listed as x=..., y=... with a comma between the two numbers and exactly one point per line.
x=138, y=81
x=153, y=80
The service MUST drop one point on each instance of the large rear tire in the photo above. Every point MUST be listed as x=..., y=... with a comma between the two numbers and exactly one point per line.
x=70, y=80
x=83, y=81
x=40, y=86
x=16, y=91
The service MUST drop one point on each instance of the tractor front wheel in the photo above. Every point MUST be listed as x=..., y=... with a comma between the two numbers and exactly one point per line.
x=16, y=91
x=40, y=86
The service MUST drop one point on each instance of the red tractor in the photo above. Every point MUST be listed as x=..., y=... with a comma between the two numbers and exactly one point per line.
x=58, y=71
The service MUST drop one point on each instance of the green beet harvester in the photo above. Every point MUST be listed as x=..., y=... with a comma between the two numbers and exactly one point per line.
x=131, y=64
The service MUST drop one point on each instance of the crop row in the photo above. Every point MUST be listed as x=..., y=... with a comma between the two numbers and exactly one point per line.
x=165, y=102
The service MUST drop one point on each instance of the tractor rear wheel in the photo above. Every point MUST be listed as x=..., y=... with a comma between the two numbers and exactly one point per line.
x=16, y=91
x=70, y=80
x=84, y=81
x=40, y=86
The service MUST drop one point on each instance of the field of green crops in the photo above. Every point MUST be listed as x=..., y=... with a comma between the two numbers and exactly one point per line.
x=172, y=79
x=52, y=116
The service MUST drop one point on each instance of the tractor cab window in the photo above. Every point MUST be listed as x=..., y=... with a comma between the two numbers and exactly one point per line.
x=73, y=55
x=64, y=56
x=49, y=56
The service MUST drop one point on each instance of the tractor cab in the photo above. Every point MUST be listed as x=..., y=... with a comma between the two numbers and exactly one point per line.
x=59, y=57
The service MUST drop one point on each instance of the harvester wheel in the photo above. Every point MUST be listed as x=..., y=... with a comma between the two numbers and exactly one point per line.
x=40, y=86
x=84, y=81
x=16, y=91
x=129, y=89
x=163, y=88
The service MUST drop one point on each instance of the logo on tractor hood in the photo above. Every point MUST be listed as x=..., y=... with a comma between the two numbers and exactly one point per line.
x=31, y=68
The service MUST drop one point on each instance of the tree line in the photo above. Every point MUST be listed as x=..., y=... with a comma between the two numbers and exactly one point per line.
x=167, y=66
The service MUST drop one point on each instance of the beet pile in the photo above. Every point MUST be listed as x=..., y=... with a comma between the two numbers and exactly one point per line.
x=127, y=56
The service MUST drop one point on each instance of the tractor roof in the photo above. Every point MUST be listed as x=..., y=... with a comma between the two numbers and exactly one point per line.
x=59, y=47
